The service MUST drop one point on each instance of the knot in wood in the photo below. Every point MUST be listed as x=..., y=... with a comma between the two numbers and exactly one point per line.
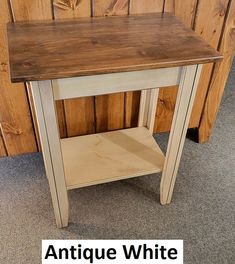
x=3, y=67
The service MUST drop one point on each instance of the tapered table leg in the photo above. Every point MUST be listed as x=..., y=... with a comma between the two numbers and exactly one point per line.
x=148, y=107
x=185, y=98
x=50, y=140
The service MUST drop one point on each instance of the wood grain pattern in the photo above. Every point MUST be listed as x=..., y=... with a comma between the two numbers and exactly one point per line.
x=79, y=113
x=209, y=26
x=110, y=109
x=15, y=118
x=219, y=77
x=209, y=21
x=109, y=112
x=110, y=7
x=141, y=6
x=140, y=50
x=110, y=156
x=169, y=6
x=185, y=11
x=31, y=10
x=132, y=102
x=60, y=111
x=36, y=10
x=165, y=109
x=132, y=99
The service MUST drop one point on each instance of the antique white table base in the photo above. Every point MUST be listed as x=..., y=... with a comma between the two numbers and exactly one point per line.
x=105, y=157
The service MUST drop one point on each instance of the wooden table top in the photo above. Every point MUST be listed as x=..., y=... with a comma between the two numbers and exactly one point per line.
x=70, y=48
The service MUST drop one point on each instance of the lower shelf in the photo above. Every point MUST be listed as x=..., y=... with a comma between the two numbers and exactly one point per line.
x=111, y=156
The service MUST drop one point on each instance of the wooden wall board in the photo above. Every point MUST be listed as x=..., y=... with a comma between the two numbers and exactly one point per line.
x=143, y=6
x=31, y=10
x=110, y=7
x=167, y=97
x=110, y=109
x=38, y=10
x=132, y=102
x=79, y=113
x=132, y=99
x=219, y=76
x=15, y=117
x=28, y=11
x=16, y=122
x=206, y=17
x=60, y=111
x=208, y=24
x=79, y=118
x=109, y=112
x=185, y=10
x=165, y=108
x=169, y=6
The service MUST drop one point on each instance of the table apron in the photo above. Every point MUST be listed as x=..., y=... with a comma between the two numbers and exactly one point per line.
x=115, y=82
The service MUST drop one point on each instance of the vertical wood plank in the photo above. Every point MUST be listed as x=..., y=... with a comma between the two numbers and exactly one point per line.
x=206, y=17
x=219, y=77
x=80, y=116
x=132, y=101
x=165, y=109
x=143, y=6
x=79, y=113
x=185, y=10
x=38, y=10
x=110, y=109
x=109, y=112
x=61, y=118
x=208, y=24
x=169, y=6
x=110, y=7
x=15, y=119
x=31, y=10
x=167, y=97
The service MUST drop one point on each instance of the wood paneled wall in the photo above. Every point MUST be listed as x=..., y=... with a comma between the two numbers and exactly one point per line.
x=212, y=19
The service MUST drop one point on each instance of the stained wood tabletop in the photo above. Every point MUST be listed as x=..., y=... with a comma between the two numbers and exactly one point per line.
x=70, y=48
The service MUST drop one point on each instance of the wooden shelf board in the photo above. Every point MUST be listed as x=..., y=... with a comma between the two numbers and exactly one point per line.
x=111, y=156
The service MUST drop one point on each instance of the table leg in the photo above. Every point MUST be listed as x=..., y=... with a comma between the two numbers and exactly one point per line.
x=148, y=106
x=185, y=98
x=50, y=141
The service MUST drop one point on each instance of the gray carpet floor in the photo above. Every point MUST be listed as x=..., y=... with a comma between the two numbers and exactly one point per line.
x=202, y=212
